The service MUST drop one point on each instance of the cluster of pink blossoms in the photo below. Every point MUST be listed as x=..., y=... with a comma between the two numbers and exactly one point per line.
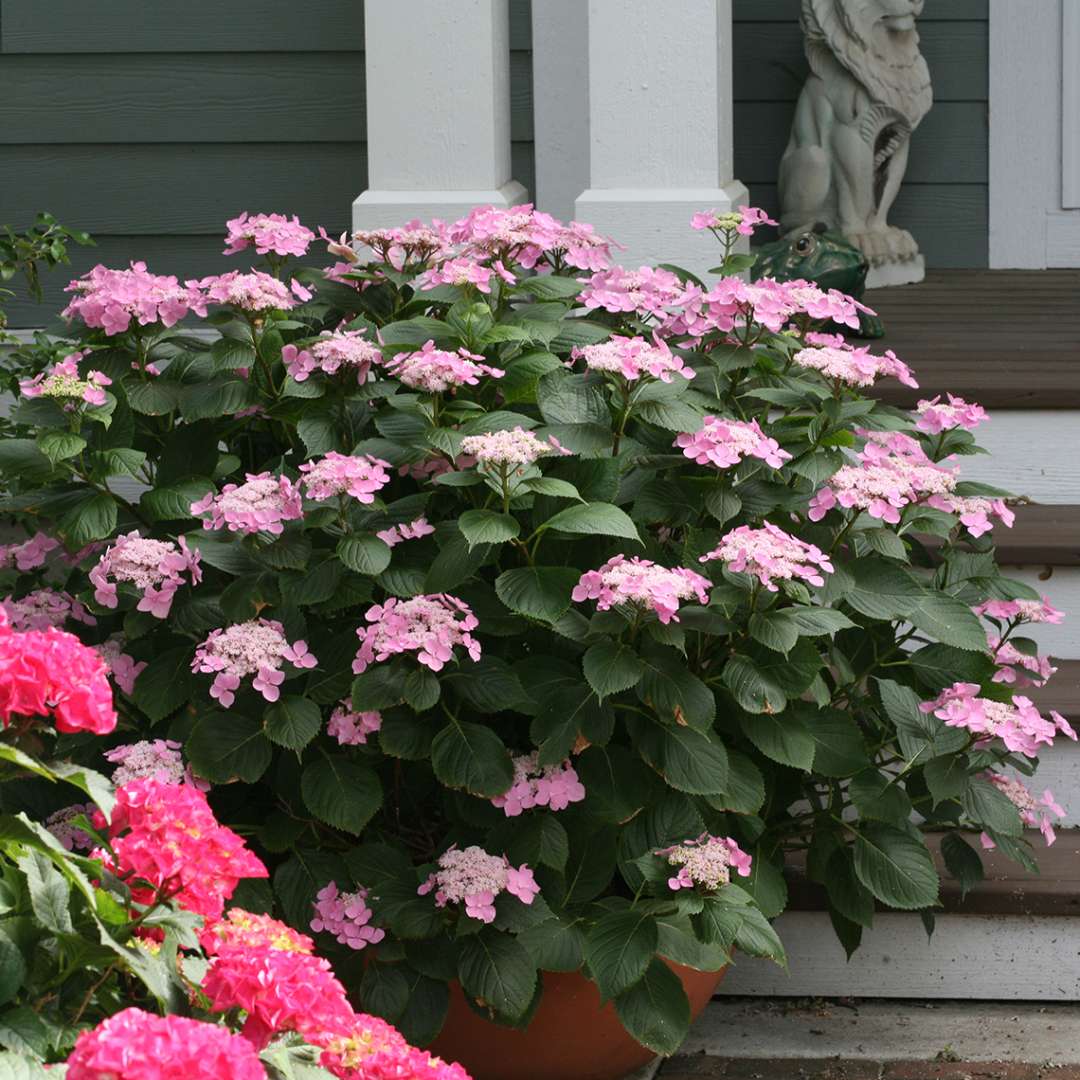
x=346, y=916
x=137, y=1045
x=165, y=839
x=110, y=299
x=464, y=271
x=553, y=786
x=1018, y=724
x=769, y=554
x=254, y=291
x=352, y=728
x=261, y=504
x=61, y=823
x=724, y=443
x=413, y=242
x=374, y=1050
x=642, y=584
x=743, y=221
x=472, y=877
x=359, y=477
x=257, y=647
x=27, y=554
x=240, y=929
x=706, y=861
x=42, y=608
x=154, y=566
x=51, y=673
x=341, y=350
x=269, y=233
x=853, y=367
x=64, y=383
x=647, y=290
x=975, y=511
x=1036, y=814
x=157, y=758
x=123, y=669
x=936, y=416
x=516, y=447
x=634, y=358
x=406, y=530
x=429, y=626
x=1028, y=611
x=1018, y=668
x=437, y=370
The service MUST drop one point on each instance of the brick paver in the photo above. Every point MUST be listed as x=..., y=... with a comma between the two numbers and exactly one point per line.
x=703, y=1067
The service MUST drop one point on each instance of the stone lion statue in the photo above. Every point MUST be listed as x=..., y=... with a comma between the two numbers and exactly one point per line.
x=868, y=89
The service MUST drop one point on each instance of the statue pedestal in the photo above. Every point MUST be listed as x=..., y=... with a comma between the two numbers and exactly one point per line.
x=907, y=272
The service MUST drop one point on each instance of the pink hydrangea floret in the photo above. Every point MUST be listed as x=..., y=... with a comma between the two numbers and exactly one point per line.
x=255, y=292
x=634, y=358
x=706, y=862
x=743, y=221
x=61, y=823
x=269, y=233
x=1038, y=814
x=43, y=608
x=156, y=567
x=1019, y=669
x=935, y=416
x=770, y=554
x=109, y=299
x=429, y=626
x=853, y=367
x=27, y=554
x=1029, y=611
x=724, y=443
x=513, y=447
x=344, y=351
x=406, y=530
x=642, y=584
x=976, y=512
x=437, y=370
x=358, y=476
x=647, y=290
x=64, y=383
x=464, y=271
x=346, y=916
x=374, y=1050
x=472, y=877
x=123, y=669
x=263, y=503
x=352, y=728
x=552, y=786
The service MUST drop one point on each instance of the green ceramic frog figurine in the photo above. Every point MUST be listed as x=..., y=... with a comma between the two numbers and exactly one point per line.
x=826, y=259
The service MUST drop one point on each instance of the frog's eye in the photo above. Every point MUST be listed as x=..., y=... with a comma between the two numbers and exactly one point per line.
x=806, y=243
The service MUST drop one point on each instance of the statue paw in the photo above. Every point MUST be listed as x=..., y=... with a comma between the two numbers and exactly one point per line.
x=902, y=244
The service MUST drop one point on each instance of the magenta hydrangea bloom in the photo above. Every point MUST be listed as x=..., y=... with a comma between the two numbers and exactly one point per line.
x=724, y=443
x=472, y=877
x=437, y=370
x=352, y=728
x=430, y=626
x=344, y=351
x=706, y=862
x=254, y=291
x=261, y=504
x=647, y=290
x=137, y=1045
x=770, y=554
x=1018, y=724
x=42, y=608
x=373, y=1050
x=109, y=299
x=411, y=530
x=853, y=367
x=1035, y=813
x=634, y=358
x=27, y=554
x=464, y=271
x=64, y=383
x=936, y=416
x=642, y=584
x=552, y=786
x=346, y=916
x=359, y=477
x=268, y=233
x=157, y=567
x=516, y=447
x=257, y=647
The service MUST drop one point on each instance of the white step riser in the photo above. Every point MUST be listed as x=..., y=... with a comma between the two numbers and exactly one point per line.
x=1007, y=958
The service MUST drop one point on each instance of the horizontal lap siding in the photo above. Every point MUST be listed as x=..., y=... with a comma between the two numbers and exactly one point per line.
x=148, y=126
x=944, y=198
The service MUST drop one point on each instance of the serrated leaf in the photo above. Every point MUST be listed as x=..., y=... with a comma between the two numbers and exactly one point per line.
x=365, y=554
x=497, y=971
x=611, y=667
x=895, y=867
x=540, y=592
x=473, y=758
x=784, y=738
x=345, y=794
x=656, y=1010
x=594, y=519
x=292, y=722
x=619, y=949
x=488, y=527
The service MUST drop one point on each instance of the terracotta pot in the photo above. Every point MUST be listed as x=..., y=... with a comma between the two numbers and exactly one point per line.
x=571, y=1036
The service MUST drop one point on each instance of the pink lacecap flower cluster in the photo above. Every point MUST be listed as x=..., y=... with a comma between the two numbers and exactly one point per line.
x=43, y=608
x=157, y=758
x=882, y=484
x=254, y=291
x=769, y=554
x=269, y=233
x=352, y=728
x=744, y=220
x=157, y=567
x=257, y=647
x=61, y=824
x=1030, y=611
x=723, y=443
x=1036, y=814
x=853, y=367
x=437, y=370
x=64, y=383
x=464, y=271
x=647, y=290
x=516, y=447
x=634, y=358
x=346, y=916
x=410, y=530
x=643, y=584
x=1018, y=724
x=359, y=477
x=1018, y=668
x=551, y=786
x=936, y=416
x=28, y=554
x=164, y=837
x=138, y=1045
x=472, y=877
x=261, y=504
x=347, y=351
x=428, y=468
x=413, y=242
x=429, y=626
x=124, y=669
x=975, y=511
x=706, y=861
x=110, y=299
x=52, y=673
x=824, y=304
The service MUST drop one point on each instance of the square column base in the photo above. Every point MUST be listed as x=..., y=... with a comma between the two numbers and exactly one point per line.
x=653, y=224
x=375, y=209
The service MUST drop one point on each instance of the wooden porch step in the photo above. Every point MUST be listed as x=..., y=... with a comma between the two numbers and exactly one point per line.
x=1008, y=339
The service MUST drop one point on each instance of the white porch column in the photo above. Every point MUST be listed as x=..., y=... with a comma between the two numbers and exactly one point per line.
x=660, y=127
x=438, y=110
